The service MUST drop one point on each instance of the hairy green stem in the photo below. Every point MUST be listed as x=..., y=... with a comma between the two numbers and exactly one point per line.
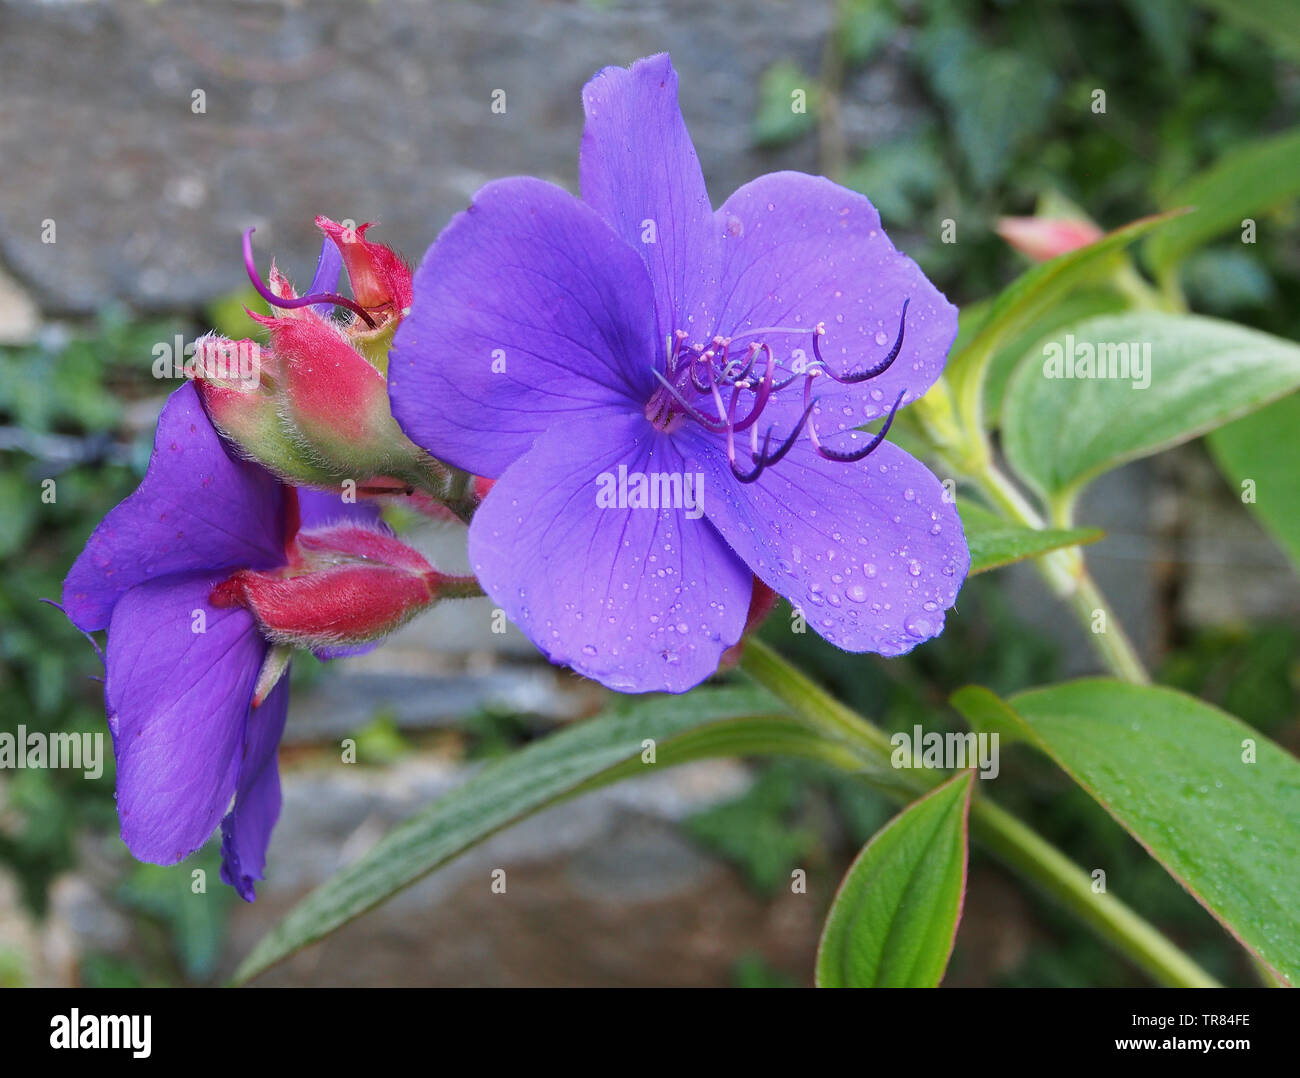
x=1015, y=844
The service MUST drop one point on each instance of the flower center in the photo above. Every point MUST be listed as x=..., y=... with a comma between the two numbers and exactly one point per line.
x=725, y=388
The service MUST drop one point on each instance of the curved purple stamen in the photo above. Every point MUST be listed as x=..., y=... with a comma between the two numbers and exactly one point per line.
x=764, y=459
x=710, y=369
x=762, y=396
x=870, y=372
x=265, y=292
x=856, y=455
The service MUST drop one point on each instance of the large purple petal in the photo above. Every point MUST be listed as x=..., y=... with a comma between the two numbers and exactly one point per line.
x=246, y=830
x=871, y=552
x=528, y=311
x=197, y=508
x=640, y=599
x=640, y=171
x=799, y=250
x=178, y=704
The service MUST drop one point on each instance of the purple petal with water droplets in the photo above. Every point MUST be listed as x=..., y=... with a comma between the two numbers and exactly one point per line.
x=799, y=250
x=640, y=171
x=639, y=599
x=871, y=552
x=529, y=311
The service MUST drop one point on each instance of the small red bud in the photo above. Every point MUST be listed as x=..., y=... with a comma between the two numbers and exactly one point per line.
x=330, y=389
x=381, y=281
x=348, y=584
x=1044, y=238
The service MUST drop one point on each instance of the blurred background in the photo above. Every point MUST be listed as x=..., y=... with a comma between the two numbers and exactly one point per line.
x=142, y=138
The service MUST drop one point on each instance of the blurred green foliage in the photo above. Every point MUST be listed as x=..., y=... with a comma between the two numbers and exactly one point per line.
x=999, y=99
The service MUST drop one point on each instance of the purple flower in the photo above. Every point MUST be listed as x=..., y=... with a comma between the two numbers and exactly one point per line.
x=667, y=396
x=195, y=695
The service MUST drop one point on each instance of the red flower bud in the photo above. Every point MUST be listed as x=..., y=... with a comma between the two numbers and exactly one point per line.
x=381, y=281
x=246, y=408
x=346, y=585
x=320, y=415
x=1044, y=238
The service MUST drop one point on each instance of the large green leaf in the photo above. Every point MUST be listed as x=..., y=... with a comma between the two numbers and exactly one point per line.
x=1059, y=432
x=1248, y=451
x=1251, y=180
x=1078, y=304
x=1209, y=797
x=707, y=722
x=995, y=542
x=895, y=916
x=1030, y=298
x=1276, y=21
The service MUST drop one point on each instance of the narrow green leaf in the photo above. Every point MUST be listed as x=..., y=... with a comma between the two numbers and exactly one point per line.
x=707, y=722
x=1247, y=453
x=1059, y=431
x=1028, y=299
x=895, y=916
x=1251, y=180
x=995, y=542
x=1211, y=799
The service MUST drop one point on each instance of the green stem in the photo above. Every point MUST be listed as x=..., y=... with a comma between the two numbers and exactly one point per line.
x=459, y=587
x=1067, y=576
x=1020, y=848
x=1029, y=854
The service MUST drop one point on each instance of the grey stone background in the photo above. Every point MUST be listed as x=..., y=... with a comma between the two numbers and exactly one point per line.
x=378, y=111
x=381, y=111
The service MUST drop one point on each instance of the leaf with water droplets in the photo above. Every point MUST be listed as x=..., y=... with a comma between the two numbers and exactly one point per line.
x=1210, y=798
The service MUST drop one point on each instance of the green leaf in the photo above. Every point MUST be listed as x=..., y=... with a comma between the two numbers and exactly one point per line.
x=1247, y=450
x=787, y=105
x=1030, y=298
x=895, y=915
x=1075, y=306
x=1276, y=21
x=862, y=27
x=995, y=542
x=1251, y=180
x=1060, y=432
x=997, y=99
x=707, y=722
x=1175, y=773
